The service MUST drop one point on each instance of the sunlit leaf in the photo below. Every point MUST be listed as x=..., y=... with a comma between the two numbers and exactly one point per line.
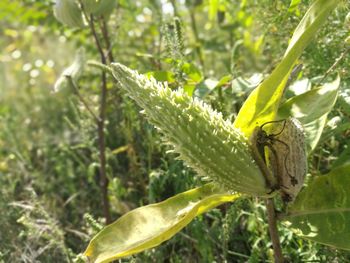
x=189, y=89
x=205, y=87
x=312, y=104
x=213, y=9
x=262, y=105
x=223, y=81
x=149, y=226
x=299, y=86
x=311, y=109
x=321, y=212
x=313, y=131
x=121, y=149
x=243, y=85
x=167, y=76
x=293, y=5
x=192, y=72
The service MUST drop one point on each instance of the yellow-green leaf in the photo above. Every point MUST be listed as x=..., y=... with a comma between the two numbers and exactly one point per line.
x=321, y=211
x=149, y=226
x=293, y=5
x=311, y=109
x=262, y=105
x=312, y=104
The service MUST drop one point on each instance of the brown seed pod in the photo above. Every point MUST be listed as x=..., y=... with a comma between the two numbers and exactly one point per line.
x=283, y=149
x=288, y=157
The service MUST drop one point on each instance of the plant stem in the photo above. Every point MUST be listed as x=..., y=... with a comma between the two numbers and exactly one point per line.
x=173, y=3
x=100, y=128
x=196, y=37
x=271, y=217
x=105, y=34
x=85, y=103
x=335, y=64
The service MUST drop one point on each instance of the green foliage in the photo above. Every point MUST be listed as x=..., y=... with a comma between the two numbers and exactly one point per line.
x=322, y=211
x=48, y=148
x=262, y=105
x=149, y=226
x=161, y=106
x=311, y=109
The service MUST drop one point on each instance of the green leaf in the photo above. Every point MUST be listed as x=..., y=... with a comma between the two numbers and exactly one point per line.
x=223, y=81
x=90, y=5
x=311, y=109
x=344, y=100
x=167, y=76
x=343, y=158
x=189, y=89
x=312, y=104
x=151, y=225
x=321, y=211
x=99, y=7
x=205, y=87
x=293, y=5
x=208, y=85
x=105, y=8
x=243, y=85
x=313, y=131
x=192, y=72
x=213, y=9
x=262, y=105
x=69, y=13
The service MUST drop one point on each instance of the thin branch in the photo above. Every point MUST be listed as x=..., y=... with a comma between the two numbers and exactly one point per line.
x=105, y=34
x=101, y=126
x=77, y=92
x=276, y=244
x=196, y=36
x=173, y=3
x=335, y=64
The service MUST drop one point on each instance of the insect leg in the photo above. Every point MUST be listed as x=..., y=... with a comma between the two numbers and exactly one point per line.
x=294, y=181
x=269, y=122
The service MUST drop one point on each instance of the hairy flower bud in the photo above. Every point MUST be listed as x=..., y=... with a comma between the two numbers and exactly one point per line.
x=205, y=141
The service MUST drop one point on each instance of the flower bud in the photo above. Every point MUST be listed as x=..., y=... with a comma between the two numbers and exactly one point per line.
x=213, y=147
x=68, y=13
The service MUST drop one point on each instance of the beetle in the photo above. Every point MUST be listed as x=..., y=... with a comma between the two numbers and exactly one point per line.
x=281, y=155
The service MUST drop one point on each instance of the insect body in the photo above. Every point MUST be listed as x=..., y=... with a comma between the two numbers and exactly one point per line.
x=283, y=150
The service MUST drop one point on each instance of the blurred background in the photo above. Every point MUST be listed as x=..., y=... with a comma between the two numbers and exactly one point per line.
x=217, y=50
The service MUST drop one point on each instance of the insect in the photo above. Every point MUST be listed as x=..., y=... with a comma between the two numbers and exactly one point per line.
x=281, y=156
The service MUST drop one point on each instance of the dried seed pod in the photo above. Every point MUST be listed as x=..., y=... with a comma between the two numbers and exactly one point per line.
x=287, y=157
x=283, y=149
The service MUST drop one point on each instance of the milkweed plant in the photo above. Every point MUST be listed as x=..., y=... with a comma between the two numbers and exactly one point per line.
x=263, y=153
